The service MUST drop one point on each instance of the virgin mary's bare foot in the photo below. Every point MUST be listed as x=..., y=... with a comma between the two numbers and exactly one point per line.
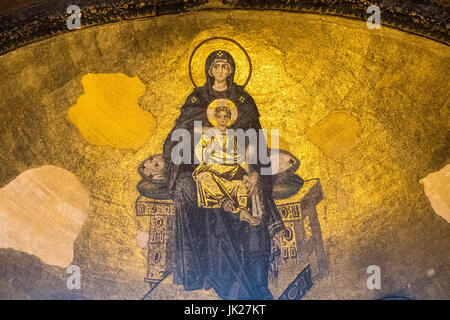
x=246, y=216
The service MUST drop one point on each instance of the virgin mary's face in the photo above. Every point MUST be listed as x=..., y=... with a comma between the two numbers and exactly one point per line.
x=220, y=70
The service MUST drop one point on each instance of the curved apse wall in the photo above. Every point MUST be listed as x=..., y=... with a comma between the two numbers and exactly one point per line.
x=365, y=111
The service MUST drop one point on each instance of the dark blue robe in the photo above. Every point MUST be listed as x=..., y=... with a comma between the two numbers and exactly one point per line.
x=213, y=248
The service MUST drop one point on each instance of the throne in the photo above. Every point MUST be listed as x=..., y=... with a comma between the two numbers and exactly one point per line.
x=300, y=244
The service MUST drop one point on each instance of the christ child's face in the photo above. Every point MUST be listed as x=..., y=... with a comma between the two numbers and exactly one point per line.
x=220, y=70
x=222, y=119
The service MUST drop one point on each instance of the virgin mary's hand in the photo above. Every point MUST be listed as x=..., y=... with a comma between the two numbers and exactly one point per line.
x=252, y=180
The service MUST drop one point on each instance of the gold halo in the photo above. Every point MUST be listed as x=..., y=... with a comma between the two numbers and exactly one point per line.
x=212, y=107
x=203, y=50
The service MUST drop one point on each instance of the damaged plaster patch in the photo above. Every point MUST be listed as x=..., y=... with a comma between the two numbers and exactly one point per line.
x=42, y=212
x=142, y=239
x=108, y=113
x=437, y=189
x=336, y=134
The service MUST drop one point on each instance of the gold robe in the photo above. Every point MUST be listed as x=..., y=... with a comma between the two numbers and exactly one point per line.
x=214, y=176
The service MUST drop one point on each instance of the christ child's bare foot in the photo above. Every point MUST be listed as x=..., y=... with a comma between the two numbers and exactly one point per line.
x=246, y=216
x=228, y=205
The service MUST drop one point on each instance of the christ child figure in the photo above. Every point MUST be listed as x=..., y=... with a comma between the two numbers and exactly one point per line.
x=221, y=180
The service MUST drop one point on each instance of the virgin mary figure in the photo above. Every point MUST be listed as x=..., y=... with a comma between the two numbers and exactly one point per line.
x=214, y=248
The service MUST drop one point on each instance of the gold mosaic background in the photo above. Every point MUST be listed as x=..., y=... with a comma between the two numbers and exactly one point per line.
x=366, y=111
